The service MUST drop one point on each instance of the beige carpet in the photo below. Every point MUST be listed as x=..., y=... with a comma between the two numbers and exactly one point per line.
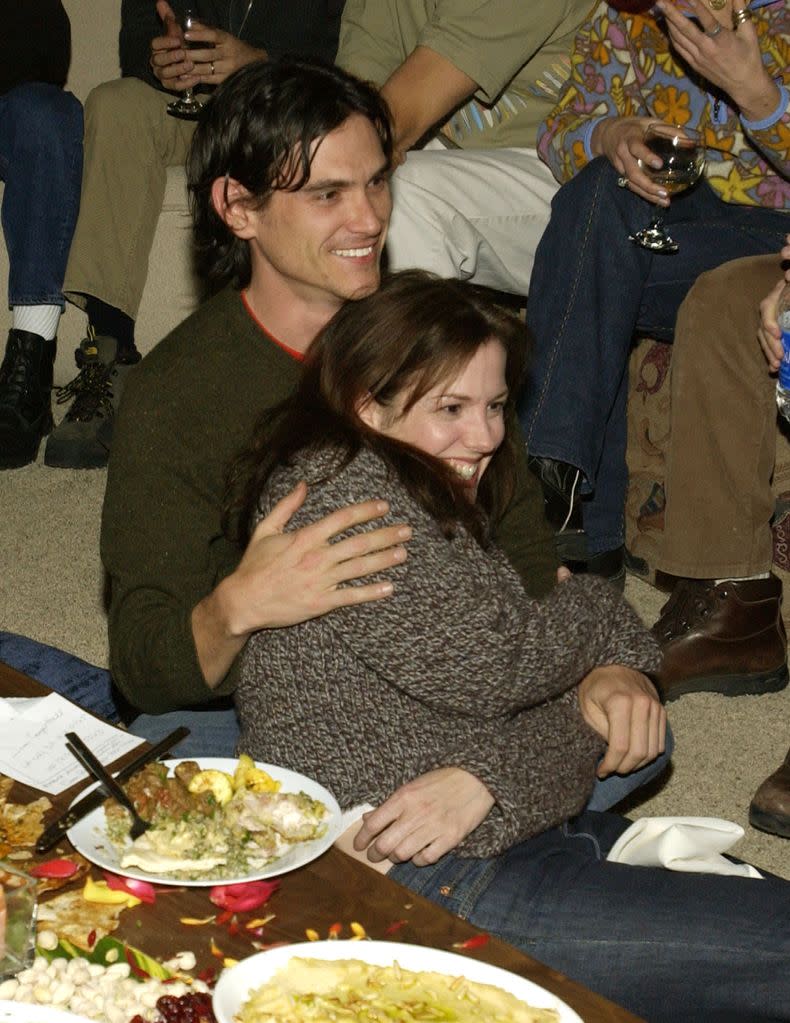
x=51, y=590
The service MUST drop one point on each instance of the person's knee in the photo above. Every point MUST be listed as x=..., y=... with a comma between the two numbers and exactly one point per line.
x=120, y=101
x=751, y=277
x=45, y=112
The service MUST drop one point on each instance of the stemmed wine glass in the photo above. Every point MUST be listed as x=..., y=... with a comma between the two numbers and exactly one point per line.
x=683, y=154
x=186, y=106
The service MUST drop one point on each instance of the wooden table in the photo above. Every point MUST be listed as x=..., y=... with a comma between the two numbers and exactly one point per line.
x=334, y=889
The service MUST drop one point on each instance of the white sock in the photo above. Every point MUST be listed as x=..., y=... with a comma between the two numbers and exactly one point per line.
x=743, y=578
x=37, y=319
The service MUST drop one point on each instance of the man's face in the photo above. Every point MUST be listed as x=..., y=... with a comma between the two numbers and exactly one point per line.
x=322, y=244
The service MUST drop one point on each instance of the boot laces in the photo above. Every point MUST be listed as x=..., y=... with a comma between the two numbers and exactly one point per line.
x=692, y=601
x=15, y=373
x=91, y=390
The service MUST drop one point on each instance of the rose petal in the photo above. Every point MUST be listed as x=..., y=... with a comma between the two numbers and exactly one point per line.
x=245, y=896
x=54, y=869
x=142, y=890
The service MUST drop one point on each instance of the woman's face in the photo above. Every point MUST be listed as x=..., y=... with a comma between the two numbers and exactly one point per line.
x=461, y=420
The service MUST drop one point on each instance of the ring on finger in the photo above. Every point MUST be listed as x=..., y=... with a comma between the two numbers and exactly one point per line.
x=739, y=17
x=713, y=32
x=211, y=65
x=622, y=181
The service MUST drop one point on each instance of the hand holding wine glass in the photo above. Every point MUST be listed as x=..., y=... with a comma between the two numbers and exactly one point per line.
x=186, y=106
x=682, y=155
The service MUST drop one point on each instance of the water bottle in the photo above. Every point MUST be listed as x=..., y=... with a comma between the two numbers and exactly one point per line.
x=783, y=383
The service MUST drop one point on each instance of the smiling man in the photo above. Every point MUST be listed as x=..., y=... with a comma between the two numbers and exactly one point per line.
x=288, y=175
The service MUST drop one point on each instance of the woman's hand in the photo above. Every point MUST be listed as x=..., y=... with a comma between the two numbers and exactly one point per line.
x=620, y=140
x=768, y=334
x=729, y=59
x=622, y=705
x=425, y=818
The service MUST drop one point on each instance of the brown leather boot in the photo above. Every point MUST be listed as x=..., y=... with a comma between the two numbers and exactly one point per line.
x=723, y=637
x=770, y=808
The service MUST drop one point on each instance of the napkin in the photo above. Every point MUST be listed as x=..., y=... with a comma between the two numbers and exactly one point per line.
x=682, y=843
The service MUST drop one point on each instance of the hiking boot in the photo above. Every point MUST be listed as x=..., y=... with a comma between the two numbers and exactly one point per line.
x=770, y=808
x=25, y=397
x=725, y=637
x=82, y=440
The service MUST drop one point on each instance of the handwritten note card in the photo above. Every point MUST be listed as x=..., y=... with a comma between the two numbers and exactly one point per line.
x=33, y=741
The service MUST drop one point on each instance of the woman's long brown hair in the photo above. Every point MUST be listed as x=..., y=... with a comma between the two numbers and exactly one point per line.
x=413, y=333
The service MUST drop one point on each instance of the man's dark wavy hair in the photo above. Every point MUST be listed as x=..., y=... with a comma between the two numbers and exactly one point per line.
x=259, y=128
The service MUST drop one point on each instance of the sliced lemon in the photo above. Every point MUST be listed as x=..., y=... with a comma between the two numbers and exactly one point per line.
x=218, y=783
x=248, y=776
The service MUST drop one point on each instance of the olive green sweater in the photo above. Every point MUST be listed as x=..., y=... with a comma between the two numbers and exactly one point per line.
x=186, y=410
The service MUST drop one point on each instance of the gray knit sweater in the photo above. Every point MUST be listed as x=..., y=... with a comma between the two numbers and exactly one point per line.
x=459, y=667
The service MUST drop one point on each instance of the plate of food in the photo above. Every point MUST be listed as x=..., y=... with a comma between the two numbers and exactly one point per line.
x=318, y=979
x=213, y=821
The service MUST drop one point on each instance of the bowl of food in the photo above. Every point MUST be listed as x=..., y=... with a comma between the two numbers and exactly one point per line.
x=314, y=980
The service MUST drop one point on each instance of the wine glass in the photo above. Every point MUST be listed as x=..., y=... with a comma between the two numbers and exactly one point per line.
x=186, y=106
x=683, y=154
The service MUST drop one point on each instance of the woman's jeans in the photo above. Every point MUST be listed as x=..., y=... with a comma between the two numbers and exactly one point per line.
x=668, y=946
x=214, y=731
x=592, y=290
x=41, y=165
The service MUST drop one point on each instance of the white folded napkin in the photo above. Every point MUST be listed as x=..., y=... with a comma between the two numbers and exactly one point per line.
x=682, y=843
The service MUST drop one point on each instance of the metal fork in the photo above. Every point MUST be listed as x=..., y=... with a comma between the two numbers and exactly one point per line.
x=94, y=767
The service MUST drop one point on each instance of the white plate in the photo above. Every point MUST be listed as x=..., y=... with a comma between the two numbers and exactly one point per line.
x=21, y=1012
x=89, y=836
x=234, y=985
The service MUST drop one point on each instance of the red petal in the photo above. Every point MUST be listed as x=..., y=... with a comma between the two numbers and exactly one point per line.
x=395, y=926
x=92, y=939
x=143, y=890
x=477, y=941
x=54, y=869
x=136, y=969
x=241, y=897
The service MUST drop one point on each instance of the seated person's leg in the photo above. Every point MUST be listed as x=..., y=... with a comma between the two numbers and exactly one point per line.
x=213, y=732
x=666, y=945
x=40, y=163
x=81, y=682
x=717, y=533
x=130, y=141
x=473, y=214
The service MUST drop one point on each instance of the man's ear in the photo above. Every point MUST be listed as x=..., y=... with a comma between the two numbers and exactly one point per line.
x=370, y=412
x=231, y=203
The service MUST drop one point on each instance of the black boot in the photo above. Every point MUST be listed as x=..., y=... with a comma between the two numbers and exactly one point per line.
x=25, y=389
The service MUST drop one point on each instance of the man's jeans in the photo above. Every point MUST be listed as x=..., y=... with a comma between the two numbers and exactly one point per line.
x=592, y=290
x=41, y=165
x=668, y=946
x=213, y=732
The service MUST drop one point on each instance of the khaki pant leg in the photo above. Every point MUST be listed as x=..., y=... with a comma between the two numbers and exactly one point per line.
x=130, y=141
x=723, y=438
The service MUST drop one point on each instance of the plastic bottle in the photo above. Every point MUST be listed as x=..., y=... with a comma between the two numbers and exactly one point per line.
x=783, y=382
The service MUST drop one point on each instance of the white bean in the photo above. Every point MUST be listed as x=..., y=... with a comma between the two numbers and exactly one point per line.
x=8, y=988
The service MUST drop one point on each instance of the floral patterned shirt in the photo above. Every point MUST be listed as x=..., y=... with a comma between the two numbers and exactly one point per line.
x=623, y=65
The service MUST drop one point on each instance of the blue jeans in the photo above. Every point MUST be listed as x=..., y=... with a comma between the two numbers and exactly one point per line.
x=41, y=165
x=592, y=290
x=213, y=732
x=666, y=945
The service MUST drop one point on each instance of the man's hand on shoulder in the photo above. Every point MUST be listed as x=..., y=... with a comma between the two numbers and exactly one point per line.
x=287, y=578
x=622, y=705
